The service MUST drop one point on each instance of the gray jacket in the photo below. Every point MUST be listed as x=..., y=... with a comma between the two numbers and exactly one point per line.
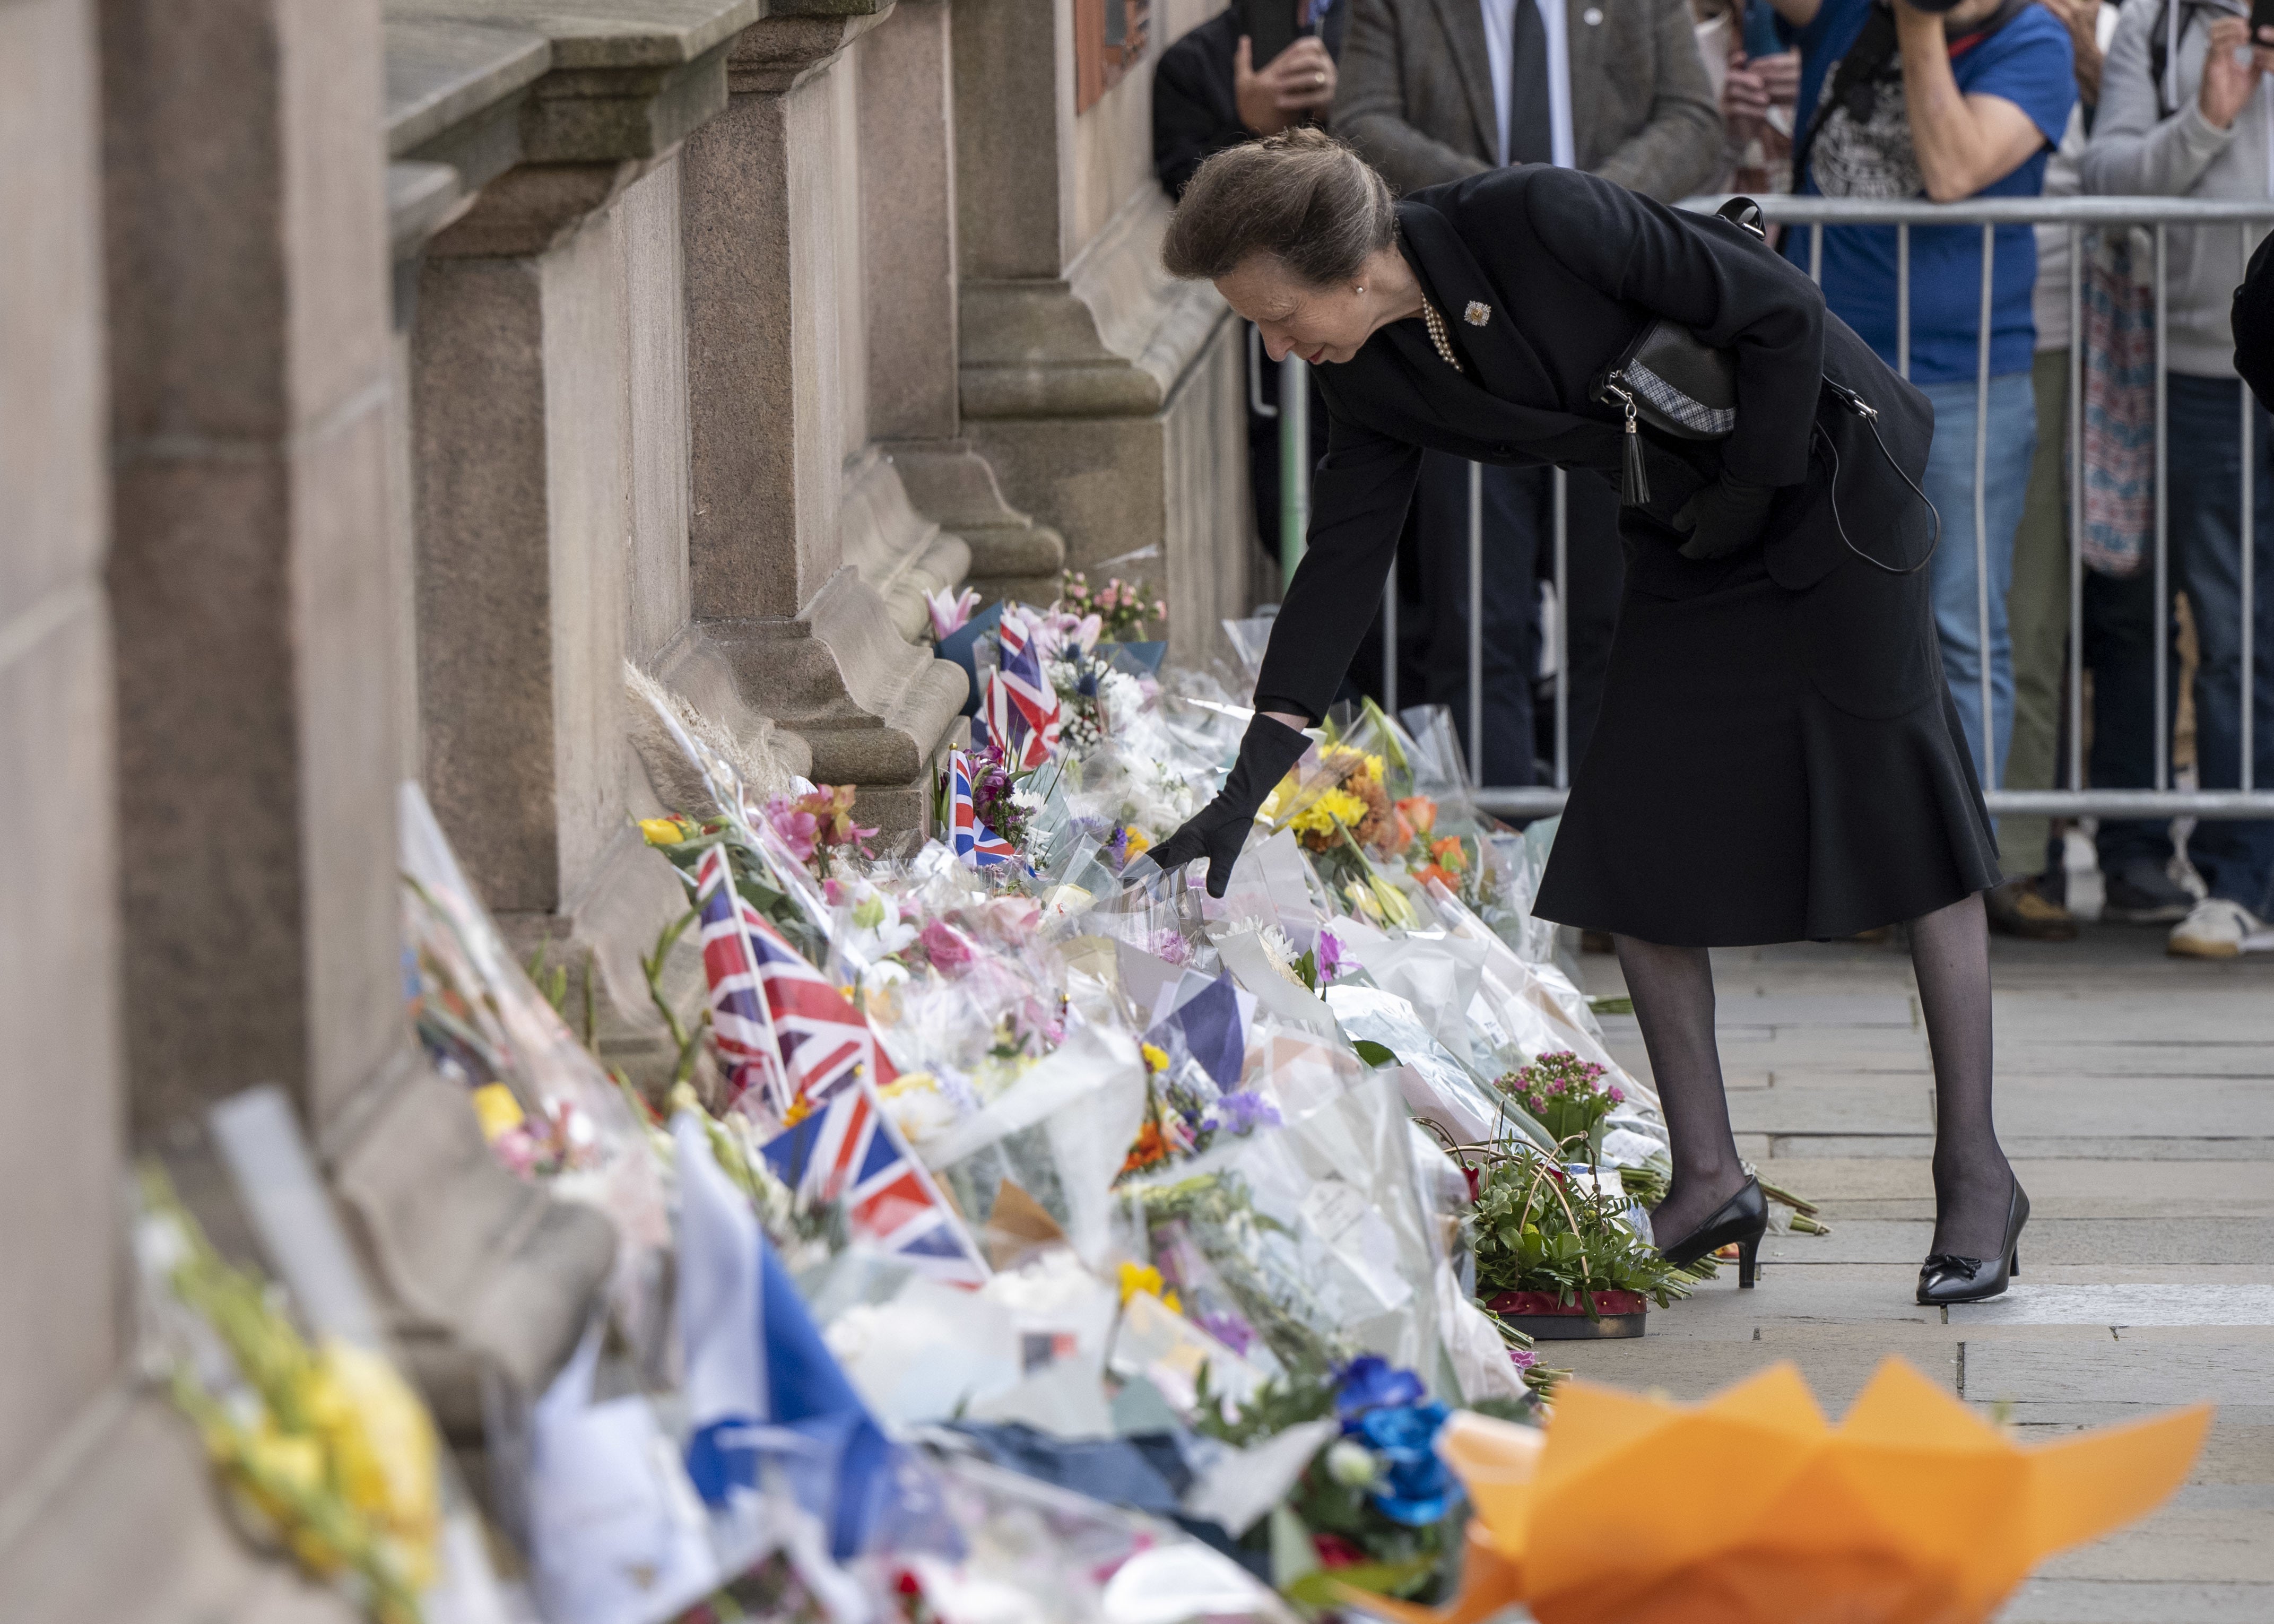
x=2134, y=153
x=1416, y=95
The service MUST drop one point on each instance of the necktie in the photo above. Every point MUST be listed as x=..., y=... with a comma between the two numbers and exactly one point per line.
x=1531, y=137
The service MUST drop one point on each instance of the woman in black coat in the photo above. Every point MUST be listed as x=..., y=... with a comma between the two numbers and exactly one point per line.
x=1777, y=755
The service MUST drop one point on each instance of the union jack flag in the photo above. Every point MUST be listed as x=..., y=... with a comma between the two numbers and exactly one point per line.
x=1023, y=713
x=776, y=1020
x=977, y=845
x=849, y=1151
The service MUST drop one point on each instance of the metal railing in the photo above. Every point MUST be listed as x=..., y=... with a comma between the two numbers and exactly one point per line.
x=2079, y=215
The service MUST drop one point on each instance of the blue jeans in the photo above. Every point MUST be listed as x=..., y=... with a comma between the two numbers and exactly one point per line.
x=2203, y=459
x=1949, y=486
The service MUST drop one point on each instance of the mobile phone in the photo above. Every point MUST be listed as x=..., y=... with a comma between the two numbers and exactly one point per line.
x=1271, y=26
x=2262, y=16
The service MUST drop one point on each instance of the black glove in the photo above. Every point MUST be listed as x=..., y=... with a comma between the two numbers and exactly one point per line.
x=1218, y=829
x=1724, y=518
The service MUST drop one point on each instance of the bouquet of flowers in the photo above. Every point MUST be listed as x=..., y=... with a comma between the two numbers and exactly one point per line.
x=1375, y=1508
x=1123, y=608
x=323, y=1447
x=1567, y=1096
x=1545, y=1231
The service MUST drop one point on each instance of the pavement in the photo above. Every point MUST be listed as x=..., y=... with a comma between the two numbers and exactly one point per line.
x=2136, y=1098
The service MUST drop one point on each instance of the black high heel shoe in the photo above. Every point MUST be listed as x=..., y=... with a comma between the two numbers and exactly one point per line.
x=1946, y=1278
x=1743, y=1218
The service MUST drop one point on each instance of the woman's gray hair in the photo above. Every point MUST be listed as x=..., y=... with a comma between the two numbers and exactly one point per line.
x=1301, y=197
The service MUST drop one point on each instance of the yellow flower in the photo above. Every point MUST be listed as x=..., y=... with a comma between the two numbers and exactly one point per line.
x=1143, y=1278
x=661, y=831
x=908, y=1083
x=383, y=1448
x=496, y=1110
x=1139, y=842
x=1156, y=1059
x=1374, y=768
x=1334, y=806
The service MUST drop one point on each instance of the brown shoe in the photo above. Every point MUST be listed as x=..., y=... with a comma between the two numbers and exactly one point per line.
x=2018, y=908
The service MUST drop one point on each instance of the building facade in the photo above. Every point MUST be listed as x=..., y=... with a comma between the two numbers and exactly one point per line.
x=376, y=383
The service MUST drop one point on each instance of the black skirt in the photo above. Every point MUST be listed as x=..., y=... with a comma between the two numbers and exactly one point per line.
x=1769, y=765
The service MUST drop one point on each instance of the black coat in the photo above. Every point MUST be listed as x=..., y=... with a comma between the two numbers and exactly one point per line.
x=1571, y=268
x=1777, y=755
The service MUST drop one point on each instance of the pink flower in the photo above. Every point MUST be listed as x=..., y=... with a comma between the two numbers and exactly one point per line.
x=1523, y=1358
x=950, y=614
x=800, y=830
x=1618, y=1095
x=946, y=947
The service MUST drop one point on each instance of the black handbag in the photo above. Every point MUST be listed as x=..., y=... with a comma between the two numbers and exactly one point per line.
x=1670, y=379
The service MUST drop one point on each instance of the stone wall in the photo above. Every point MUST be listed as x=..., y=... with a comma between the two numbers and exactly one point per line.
x=350, y=434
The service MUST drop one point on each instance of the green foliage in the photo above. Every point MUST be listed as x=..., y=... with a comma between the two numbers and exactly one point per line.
x=1537, y=1230
x=1375, y=1053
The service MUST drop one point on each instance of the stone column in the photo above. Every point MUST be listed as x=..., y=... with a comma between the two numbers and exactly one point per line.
x=60, y=1088
x=248, y=253
x=911, y=283
x=812, y=644
x=1105, y=395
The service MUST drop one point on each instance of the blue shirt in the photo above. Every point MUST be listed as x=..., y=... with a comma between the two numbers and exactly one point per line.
x=2029, y=62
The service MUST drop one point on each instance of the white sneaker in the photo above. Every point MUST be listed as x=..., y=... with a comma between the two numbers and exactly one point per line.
x=2218, y=928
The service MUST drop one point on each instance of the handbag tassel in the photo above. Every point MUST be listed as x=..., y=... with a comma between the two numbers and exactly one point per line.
x=1634, y=478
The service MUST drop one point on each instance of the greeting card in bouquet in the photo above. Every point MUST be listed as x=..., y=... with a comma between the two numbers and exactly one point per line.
x=255, y=1314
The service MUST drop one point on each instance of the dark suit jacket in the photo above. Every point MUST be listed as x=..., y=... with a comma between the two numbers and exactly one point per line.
x=1570, y=269
x=1415, y=93
x=1195, y=115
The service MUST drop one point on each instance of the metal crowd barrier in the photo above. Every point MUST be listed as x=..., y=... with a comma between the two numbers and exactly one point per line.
x=2079, y=215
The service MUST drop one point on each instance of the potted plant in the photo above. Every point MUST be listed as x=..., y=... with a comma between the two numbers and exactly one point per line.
x=1555, y=1256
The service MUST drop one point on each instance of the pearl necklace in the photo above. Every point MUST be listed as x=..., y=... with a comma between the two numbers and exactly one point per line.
x=1440, y=337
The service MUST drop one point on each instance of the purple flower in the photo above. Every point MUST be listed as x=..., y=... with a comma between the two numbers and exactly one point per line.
x=1245, y=1110
x=1330, y=955
x=1229, y=1329
x=1617, y=1095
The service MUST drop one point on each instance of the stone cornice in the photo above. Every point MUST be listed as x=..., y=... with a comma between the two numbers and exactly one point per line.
x=1110, y=337
x=484, y=85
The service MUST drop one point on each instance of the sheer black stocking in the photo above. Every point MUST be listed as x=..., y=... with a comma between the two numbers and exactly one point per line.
x=1673, y=991
x=1973, y=1184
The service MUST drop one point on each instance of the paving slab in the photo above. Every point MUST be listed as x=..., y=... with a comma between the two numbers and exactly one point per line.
x=2119, y=1372
x=2074, y=1241
x=2036, y=1147
x=1890, y=1186
x=2131, y=1601
x=2120, y=1307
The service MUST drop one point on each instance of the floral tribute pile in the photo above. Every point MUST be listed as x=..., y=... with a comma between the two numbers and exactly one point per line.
x=1010, y=1231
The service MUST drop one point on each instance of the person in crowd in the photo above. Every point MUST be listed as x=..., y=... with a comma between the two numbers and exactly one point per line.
x=2030, y=902
x=1900, y=101
x=1435, y=90
x=1758, y=91
x=2183, y=112
x=1778, y=755
x=1208, y=93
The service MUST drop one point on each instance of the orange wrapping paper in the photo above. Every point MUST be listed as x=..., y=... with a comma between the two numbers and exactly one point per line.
x=1913, y=1510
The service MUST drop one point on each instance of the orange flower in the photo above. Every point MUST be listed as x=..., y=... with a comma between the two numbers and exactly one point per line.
x=1448, y=853
x=1147, y=1149
x=1432, y=872
x=1419, y=811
